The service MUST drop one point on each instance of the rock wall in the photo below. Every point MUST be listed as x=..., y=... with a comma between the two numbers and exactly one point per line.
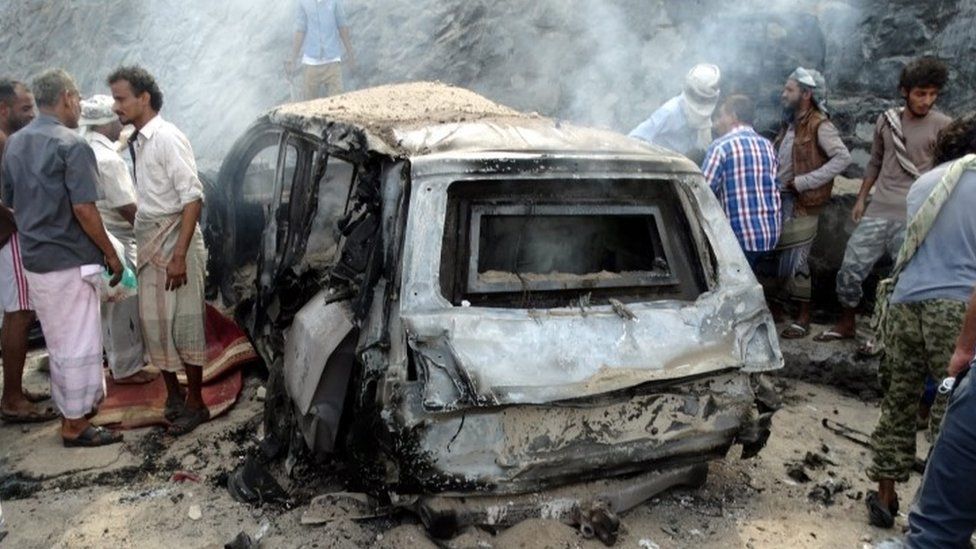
x=606, y=63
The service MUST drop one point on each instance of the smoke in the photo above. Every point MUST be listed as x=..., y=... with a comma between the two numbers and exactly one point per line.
x=607, y=63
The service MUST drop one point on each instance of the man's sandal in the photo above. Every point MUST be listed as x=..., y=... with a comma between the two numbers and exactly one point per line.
x=831, y=335
x=878, y=514
x=93, y=436
x=870, y=348
x=37, y=414
x=795, y=331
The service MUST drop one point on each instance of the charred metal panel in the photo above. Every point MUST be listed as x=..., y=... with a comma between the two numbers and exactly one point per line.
x=477, y=356
x=522, y=448
x=316, y=332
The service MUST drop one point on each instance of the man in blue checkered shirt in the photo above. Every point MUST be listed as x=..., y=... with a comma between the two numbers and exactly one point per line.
x=740, y=168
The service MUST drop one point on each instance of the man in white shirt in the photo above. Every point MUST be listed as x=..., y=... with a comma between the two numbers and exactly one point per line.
x=121, y=330
x=171, y=254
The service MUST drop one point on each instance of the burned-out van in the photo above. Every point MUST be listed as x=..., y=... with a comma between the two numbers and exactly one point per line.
x=473, y=300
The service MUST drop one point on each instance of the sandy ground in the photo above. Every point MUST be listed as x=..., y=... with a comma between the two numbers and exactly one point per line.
x=123, y=496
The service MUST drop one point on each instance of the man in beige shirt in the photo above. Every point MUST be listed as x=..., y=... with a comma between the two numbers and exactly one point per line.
x=902, y=150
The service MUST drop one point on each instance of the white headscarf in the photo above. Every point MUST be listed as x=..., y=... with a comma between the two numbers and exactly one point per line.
x=699, y=99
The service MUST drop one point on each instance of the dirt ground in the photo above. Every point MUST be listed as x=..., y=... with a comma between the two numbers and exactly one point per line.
x=806, y=489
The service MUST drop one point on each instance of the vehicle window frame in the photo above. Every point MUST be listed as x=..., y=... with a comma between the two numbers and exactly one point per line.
x=474, y=285
x=664, y=191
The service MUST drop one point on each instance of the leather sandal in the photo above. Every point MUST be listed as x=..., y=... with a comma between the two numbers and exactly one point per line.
x=92, y=437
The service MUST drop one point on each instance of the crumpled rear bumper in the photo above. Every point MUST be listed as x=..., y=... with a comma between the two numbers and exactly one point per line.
x=517, y=449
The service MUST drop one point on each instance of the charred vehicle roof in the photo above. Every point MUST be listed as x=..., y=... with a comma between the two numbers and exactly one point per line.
x=469, y=299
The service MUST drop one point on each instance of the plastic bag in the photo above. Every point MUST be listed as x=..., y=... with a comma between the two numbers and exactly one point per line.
x=126, y=287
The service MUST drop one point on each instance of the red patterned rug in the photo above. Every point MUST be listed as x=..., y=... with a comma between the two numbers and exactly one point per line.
x=228, y=349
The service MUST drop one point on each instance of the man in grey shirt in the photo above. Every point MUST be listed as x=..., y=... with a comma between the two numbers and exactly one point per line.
x=924, y=318
x=811, y=154
x=902, y=149
x=49, y=178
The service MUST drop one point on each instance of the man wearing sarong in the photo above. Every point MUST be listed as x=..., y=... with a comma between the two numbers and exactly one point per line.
x=904, y=138
x=171, y=254
x=50, y=179
x=121, y=331
x=17, y=405
x=811, y=154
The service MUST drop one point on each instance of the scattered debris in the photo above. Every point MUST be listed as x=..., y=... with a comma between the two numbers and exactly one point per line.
x=598, y=521
x=407, y=535
x=812, y=461
x=183, y=476
x=194, y=513
x=861, y=438
x=797, y=472
x=622, y=310
x=647, y=544
x=817, y=461
x=251, y=483
x=826, y=491
x=261, y=393
x=242, y=541
x=341, y=505
x=470, y=538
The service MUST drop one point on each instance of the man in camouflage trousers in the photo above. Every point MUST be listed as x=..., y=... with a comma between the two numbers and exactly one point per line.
x=902, y=150
x=935, y=274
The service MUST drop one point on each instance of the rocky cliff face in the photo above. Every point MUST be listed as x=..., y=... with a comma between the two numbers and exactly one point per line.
x=606, y=63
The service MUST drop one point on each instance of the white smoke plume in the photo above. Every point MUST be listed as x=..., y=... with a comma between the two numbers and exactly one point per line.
x=601, y=62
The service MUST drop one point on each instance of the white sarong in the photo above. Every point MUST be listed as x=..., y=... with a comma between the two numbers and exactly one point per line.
x=67, y=304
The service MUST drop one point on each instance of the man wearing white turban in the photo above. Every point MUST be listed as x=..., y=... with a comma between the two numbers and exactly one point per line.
x=811, y=154
x=684, y=123
x=121, y=332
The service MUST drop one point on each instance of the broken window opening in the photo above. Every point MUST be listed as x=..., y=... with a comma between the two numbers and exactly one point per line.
x=528, y=244
x=322, y=246
x=561, y=247
x=291, y=152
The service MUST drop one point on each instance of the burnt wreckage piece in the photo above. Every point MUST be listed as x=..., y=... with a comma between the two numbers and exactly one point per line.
x=472, y=302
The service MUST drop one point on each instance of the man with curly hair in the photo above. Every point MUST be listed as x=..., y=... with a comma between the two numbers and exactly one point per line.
x=171, y=256
x=935, y=274
x=902, y=150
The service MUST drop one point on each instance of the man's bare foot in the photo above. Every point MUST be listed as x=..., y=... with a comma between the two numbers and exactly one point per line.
x=145, y=375
x=845, y=328
x=188, y=420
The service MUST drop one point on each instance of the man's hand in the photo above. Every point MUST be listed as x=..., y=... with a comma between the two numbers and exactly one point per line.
x=176, y=272
x=116, y=268
x=350, y=61
x=858, y=212
x=289, y=67
x=960, y=361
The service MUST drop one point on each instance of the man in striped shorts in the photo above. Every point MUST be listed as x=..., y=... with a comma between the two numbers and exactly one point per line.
x=740, y=168
x=16, y=405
